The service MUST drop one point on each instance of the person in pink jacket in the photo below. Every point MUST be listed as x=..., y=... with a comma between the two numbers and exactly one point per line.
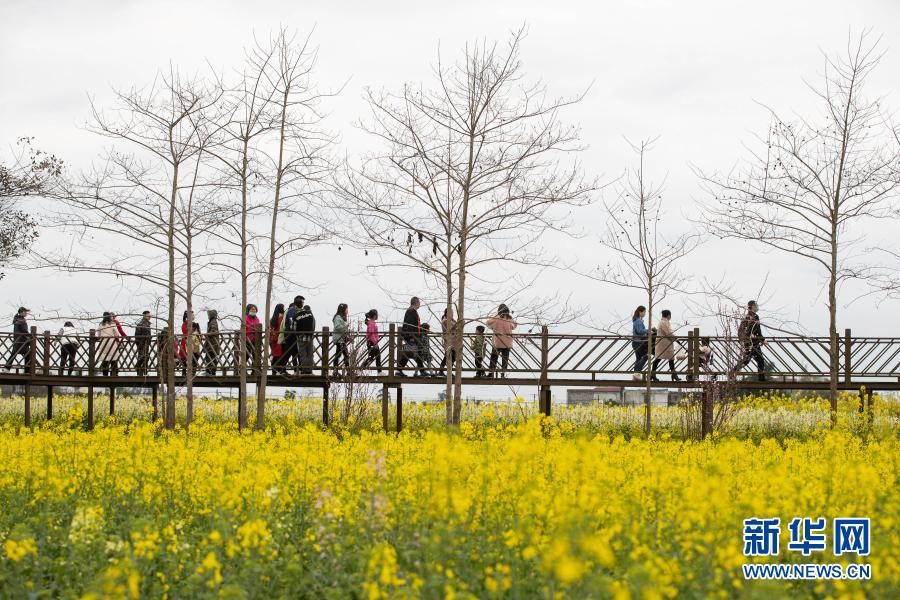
x=372, y=341
x=252, y=322
x=501, y=326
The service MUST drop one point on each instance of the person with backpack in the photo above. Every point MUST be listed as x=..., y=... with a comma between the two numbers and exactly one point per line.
x=68, y=347
x=288, y=335
x=372, y=341
x=411, y=339
x=142, y=337
x=751, y=338
x=21, y=342
x=305, y=326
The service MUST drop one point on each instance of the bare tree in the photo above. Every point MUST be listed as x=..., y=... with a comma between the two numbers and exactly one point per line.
x=299, y=168
x=646, y=259
x=471, y=175
x=813, y=180
x=135, y=192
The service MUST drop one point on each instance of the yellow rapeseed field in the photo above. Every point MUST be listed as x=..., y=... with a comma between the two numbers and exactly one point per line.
x=518, y=508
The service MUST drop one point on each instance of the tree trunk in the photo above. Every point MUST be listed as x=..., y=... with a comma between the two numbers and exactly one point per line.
x=833, y=346
x=648, y=391
x=242, y=339
x=270, y=273
x=169, y=420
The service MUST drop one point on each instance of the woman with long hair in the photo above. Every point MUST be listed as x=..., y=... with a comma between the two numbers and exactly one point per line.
x=108, y=347
x=639, y=339
x=341, y=326
x=274, y=346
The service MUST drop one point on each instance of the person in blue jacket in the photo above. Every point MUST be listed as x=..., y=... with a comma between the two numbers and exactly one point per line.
x=639, y=339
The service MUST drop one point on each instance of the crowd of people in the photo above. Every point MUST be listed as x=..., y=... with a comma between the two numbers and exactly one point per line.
x=290, y=335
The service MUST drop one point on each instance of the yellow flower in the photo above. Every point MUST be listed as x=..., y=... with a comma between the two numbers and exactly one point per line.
x=16, y=550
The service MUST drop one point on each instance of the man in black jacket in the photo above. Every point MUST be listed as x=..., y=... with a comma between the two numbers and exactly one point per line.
x=289, y=355
x=142, y=336
x=305, y=326
x=751, y=338
x=21, y=342
x=410, y=339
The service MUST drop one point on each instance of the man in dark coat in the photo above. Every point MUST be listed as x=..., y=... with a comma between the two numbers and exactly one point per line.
x=290, y=354
x=142, y=336
x=410, y=339
x=751, y=338
x=21, y=340
x=305, y=326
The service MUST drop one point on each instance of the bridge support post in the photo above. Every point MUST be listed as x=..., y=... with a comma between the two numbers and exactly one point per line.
x=155, y=402
x=325, y=420
x=706, y=413
x=869, y=408
x=544, y=401
x=49, y=402
x=27, y=405
x=847, y=362
x=112, y=400
x=399, y=408
x=385, y=402
x=90, y=410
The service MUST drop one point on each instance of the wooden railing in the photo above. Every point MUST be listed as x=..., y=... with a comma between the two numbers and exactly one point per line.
x=541, y=357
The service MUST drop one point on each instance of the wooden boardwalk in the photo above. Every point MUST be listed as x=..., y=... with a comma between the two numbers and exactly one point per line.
x=541, y=359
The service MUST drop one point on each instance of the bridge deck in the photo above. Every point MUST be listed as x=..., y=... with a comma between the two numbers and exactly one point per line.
x=537, y=359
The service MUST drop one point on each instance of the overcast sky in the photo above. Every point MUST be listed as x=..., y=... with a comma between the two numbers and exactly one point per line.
x=692, y=73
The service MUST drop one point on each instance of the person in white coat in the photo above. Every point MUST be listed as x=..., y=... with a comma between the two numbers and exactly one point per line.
x=108, y=346
x=68, y=347
x=665, y=345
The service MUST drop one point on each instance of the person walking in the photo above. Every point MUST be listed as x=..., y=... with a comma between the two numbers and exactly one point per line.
x=288, y=335
x=108, y=346
x=68, y=347
x=372, y=341
x=425, y=350
x=252, y=322
x=165, y=347
x=277, y=350
x=502, y=327
x=196, y=347
x=639, y=339
x=665, y=345
x=478, y=350
x=751, y=339
x=410, y=339
x=142, y=336
x=183, y=351
x=212, y=344
x=448, y=337
x=340, y=335
x=305, y=327
x=21, y=342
